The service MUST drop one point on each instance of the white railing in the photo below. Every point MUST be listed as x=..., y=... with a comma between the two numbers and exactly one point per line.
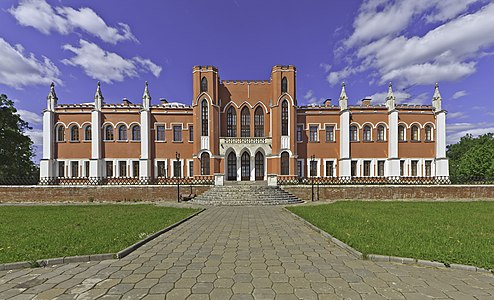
x=245, y=140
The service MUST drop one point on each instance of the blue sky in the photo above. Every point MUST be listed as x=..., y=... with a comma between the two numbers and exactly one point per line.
x=367, y=44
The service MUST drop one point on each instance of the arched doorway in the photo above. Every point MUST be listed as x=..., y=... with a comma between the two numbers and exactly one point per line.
x=259, y=166
x=232, y=166
x=245, y=167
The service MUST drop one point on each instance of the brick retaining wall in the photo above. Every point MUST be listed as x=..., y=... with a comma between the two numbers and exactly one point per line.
x=94, y=193
x=390, y=192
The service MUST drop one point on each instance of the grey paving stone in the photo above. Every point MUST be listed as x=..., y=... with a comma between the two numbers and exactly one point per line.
x=244, y=253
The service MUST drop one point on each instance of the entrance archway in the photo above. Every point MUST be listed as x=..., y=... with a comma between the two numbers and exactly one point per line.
x=232, y=166
x=245, y=167
x=259, y=164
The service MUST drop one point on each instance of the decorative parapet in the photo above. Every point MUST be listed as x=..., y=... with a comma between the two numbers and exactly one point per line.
x=252, y=144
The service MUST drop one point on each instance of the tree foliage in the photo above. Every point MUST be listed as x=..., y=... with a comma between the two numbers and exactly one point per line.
x=16, y=148
x=472, y=156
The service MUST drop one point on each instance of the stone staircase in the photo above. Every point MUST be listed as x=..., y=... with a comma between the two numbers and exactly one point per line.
x=245, y=194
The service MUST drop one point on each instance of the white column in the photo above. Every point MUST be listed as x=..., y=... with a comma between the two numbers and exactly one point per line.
x=252, y=168
x=145, y=161
x=442, y=167
x=345, y=160
x=96, y=164
x=47, y=162
x=393, y=166
x=239, y=167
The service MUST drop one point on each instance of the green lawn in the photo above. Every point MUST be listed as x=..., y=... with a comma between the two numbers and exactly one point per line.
x=29, y=233
x=448, y=232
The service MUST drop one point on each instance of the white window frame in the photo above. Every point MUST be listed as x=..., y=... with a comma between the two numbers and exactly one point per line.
x=334, y=167
x=318, y=166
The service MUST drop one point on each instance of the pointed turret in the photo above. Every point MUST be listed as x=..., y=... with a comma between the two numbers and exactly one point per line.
x=343, y=97
x=52, y=98
x=437, y=99
x=98, y=97
x=146, y=97
x=390, y=99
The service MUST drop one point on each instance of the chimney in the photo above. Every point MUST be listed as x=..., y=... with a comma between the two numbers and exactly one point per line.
x=126, y=102
x=366, y=102
x=163, y=101
x=327, y=103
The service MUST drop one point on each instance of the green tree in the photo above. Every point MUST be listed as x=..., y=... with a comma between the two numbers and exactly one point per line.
x=472, y=157
x=16, y=148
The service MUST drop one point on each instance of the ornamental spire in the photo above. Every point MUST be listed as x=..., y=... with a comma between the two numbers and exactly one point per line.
x=52, y=98
x=146, y=97
x=390, y=99
x=98, y=97
x=343, y=97
x=437, y=99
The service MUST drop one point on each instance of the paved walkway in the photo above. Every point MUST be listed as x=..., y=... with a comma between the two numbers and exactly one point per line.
x=243, y=253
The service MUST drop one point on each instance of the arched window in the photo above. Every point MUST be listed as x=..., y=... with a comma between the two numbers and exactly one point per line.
x=232, y=166
x=136, y=133
x=109, y=133
x=204, y=85
x=87, y=133
x=204, y=118
x=122, y=133
x=353, y=133
x=428, y=133
x=60, y=133
x=231, y=122
x=258, y=122
x=284, y=85
x=367, y=133
x=401, y=133
x=285, y=163
x=415, y=133
x=380, y=133
x=245, y=122
x=284, y=117
x=205, y=163
x=74, y=133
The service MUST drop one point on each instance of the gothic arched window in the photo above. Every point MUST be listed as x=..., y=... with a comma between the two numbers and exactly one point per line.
x=258, y=122
x=353, y=133
x=245, y=122
x=204, y=118
x=74, y=133
x=415, y=133
x=428, y=133
x=231, y=122
x=87, y=133
x=205, y=163
x=284, y=117
x=380, y=133
x=285, y=163
x=284, y=85
x=401, y=133
x=122, y=133
x=367, y=133
x=136, y=133
x=60, y=133
x=204, y=85
x=109, y=133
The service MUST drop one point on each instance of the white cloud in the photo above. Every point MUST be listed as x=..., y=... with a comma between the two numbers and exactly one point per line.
x=459, y=130
x=401, y=97
x=326, y=67
x=64, y=20
x=36, y=136
x=311, y=99
x=457, y=115
x=19, y=69
x=31, y=117
x=107, y=66
x=459, y=94
x=448, y=52
x=379, y=18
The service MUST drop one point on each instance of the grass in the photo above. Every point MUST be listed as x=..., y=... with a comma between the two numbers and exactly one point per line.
x=29, y=233
x=448, y=232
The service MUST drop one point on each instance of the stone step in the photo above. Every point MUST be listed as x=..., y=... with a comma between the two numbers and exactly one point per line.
x=257, y=193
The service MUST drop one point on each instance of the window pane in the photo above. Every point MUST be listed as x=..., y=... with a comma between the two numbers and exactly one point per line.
x=329, y=133
x=284, y=118
x=177, y=133
x=161, y=169
x=313, y=133
x=191, y=133
x=245, y=123
x=74, y=165
x=160, y=133
x=300, y=129
x=259, y=122
x=122, y=166
x=204, y=118
x=87, y=133
x=109, y=169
